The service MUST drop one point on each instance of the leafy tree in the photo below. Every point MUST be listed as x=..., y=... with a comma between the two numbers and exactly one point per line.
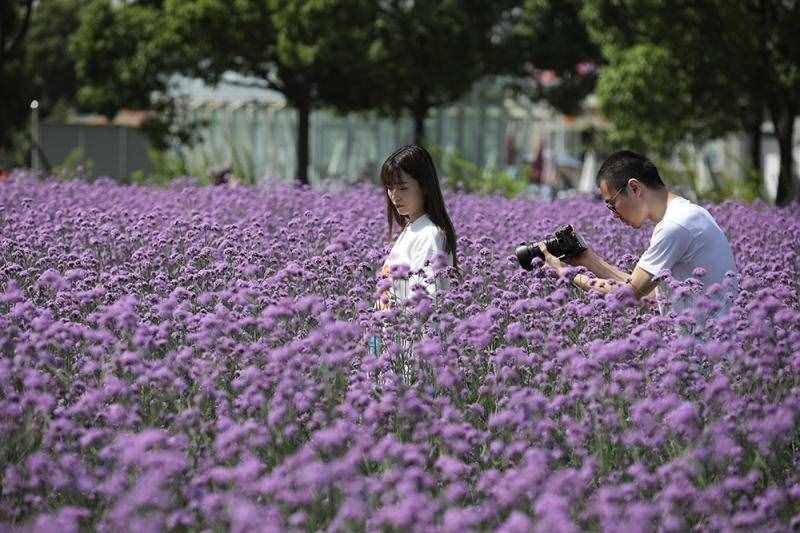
x=655, y=94
x=550, y=35
x=117, y=56
x=667, y=81
x=35, y=66
x=15, y=16
x=429, y=54
x=125, y=59
x=347, y=54
x=648, y=96
x=50, y=70
x=763, y=41
x=312, y=52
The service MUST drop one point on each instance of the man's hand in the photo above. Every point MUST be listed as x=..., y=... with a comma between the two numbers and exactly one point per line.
x=642, y=282
x=552, y=261
x=587, y=259
x=650, y=299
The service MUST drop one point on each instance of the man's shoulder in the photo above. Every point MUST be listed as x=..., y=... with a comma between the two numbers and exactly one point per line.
x=670, y=227
x=688, y=215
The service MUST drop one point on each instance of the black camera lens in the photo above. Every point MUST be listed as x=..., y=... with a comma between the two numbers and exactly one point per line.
x=564, y=243
x=526, y=253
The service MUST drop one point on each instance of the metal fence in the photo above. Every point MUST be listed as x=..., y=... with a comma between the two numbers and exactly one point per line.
x=258, y=139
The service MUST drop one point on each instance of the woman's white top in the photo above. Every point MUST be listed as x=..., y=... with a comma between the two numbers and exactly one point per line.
x=418, y=243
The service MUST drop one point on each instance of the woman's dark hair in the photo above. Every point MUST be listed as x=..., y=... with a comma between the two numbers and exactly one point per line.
x=624, y=165
x=416, y=162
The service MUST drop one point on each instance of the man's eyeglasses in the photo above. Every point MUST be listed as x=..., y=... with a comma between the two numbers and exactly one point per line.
x=611, y=202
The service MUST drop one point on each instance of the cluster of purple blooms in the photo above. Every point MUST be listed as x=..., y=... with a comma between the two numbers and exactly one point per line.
x=198, y=359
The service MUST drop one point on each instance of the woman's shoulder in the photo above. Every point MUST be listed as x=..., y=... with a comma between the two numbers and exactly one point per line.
x=427, y=227
x=429, y=236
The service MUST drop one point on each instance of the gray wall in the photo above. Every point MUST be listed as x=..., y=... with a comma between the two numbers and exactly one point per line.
x=115, y=151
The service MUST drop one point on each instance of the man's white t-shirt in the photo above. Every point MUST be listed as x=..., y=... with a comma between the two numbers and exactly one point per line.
x=686, y=238
x=418, y=243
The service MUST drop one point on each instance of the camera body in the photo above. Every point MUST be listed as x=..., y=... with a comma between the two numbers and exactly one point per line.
x=564, y=243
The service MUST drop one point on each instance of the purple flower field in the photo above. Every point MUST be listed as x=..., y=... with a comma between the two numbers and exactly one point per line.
x=197, y=359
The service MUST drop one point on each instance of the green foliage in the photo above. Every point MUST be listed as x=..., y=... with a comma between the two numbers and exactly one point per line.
x=166, y=166
x=14, y=86
x=170, y=164
x=462, y=174
x=684, y=179
x=297, y=48
x=116, y=56
x=704, y=87
x=550, y=35
x=172, y=123
x=649, y=104
x=124, y=58
x=429, y=54
x=236, y=151
x=243, y=163
x=50, y=69
x=656, y=88
x=75, y=166
x=31, y=63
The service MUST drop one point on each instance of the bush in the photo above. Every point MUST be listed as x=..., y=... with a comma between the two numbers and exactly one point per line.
x=75, y=166
x=463, y=175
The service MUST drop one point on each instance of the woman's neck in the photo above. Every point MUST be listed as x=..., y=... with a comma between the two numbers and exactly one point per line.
x=413, y=218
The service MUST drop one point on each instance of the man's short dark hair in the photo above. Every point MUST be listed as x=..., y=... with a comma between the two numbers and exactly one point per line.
x=624, y=165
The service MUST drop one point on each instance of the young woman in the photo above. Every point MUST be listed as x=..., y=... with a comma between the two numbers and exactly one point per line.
x=415, y=205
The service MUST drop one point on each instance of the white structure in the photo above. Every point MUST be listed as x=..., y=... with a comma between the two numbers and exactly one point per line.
x=254, y=130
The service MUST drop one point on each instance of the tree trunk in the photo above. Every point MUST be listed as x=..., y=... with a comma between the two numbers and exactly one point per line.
x=420, y=111
x=9, y=48
x=753, y=174
x=754, y=140
x=419, y=126
x=783, y=120
x=303, y=116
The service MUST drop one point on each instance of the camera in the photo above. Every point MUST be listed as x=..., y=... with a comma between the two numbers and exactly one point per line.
x=564, y=243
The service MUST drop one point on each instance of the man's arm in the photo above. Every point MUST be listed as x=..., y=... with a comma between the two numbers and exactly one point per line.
x=640, y=282
x=599, y=266
x=602, y=285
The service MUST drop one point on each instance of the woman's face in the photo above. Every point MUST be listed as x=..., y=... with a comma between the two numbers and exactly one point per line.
x=407, y=196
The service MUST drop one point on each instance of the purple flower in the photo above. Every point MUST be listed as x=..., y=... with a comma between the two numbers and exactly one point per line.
x=211, y=359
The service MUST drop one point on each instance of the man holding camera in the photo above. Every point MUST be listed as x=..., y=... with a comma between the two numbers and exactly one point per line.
x=686, y=237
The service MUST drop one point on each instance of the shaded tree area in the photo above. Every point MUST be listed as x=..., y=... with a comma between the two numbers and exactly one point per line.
x=667, y=81
x=33, y=66
x=660, y=79
x=549, y=36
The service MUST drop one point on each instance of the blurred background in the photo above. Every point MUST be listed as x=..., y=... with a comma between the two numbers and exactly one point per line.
x=512, y=96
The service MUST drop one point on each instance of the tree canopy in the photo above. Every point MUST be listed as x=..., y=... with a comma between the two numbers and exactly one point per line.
x=660, y=76
x=550, y=36
x=429, y=54
x=696, y=70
